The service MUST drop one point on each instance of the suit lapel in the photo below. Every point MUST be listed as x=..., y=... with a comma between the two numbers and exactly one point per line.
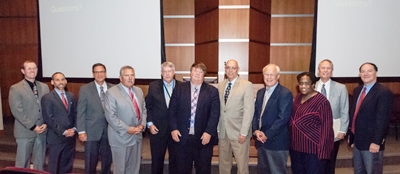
x=331, y=90
x=28, y=89
x=272, y=97
x=369, y=96
x=95, y=93
x=161, y=92
x=58, y=100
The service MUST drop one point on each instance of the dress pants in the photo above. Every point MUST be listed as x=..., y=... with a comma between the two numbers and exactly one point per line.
x=307, y=163
x=158, y=148
x=366, y=162
x=240, y=151
x=61, y=157
x=92, y=151
x=127, y=160
x=272, y=161
x=27, y=147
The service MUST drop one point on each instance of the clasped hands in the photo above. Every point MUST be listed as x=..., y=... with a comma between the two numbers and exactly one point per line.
x=40, y=129
x=135, y=130
x=205, y=137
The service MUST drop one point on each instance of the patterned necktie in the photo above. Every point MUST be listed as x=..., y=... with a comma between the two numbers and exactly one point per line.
x=323, y=90
x=102, y=94
x=360, y=100
x=64, y=101
x=135, y=105
x=227, y=91
x=265, y=101
x=35, y=92
x=194, y=106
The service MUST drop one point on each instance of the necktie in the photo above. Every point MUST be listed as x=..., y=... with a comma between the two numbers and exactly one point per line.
x=64, y=101
x=169, y=91
x=265, y=101
x=35, y=92
x=135, y=105
x=228, y=89
x=102, y=94
x=323, y=90
x=193, y=109
x=360, y=100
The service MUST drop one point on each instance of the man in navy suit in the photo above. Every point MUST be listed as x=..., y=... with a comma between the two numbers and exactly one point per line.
x=272, y=112
x=370, y=115
x=157, y=103
x=59, y=113
x=194, y=112
x=92, y=124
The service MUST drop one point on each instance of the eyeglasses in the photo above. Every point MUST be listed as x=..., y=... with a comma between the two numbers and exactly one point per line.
x=230, y=68
x=99, y=72
x=304, y=83
x=269, y=75
x=31, y=69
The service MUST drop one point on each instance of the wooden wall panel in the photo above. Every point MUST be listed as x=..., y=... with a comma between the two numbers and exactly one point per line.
x=259, y=56
x=292, y=6
x=206, y=27
x=291, y=58
x=234, y=2
x=234, y=50
x=291, y=30
x=289, y=81
x=204, y=6
x=208, y=54
x=179, y=30
x=18, y=31
x=178, y=7
x=234, y=23
x=259, y=26
x=18, y=8
x=182, y=57
x=261, y=5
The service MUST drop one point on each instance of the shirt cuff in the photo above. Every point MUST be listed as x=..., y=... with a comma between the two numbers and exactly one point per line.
x=149, y=124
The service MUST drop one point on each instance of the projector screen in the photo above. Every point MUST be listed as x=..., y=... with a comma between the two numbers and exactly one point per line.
x=351, y=32
x=75, y=34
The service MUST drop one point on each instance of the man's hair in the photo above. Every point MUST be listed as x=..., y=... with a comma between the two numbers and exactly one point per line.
x=310, y=75
x=98, y=64
x=326, y=60
x=168, y=64
x=26, y=61
x=124, y=68
x=278, y=70
x=375, y=67
x=199, y=65
x=52, y=77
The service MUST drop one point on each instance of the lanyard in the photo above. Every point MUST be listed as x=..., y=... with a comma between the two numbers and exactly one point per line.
x=166, y=89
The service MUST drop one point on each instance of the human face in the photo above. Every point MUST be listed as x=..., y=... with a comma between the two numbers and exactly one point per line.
x=29, y=71
x=59, y=82
x=305, y=85
x=167, y=74
x=231, y=69
x=271, y=76
x=325, y=70
x=196, y=76
x=368, y=74
x=99, y=74
x=127, y=77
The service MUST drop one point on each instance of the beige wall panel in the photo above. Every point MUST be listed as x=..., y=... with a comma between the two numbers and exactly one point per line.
x=18, y=8
x=234, y=2
x=179, y=30
x=291, y=30
x=291, y=58
x=182, y=57
x=206, y=27
x=204, y=6
x=261, y=5
x=178, y=7
x=18, y=31
x=292, y=6
x=234, y=23
x=260, y=24
x=208, y=54
x=238, y=51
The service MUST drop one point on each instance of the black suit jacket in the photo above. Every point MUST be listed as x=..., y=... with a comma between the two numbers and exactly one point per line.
x=57, y=117
x=275, y=119
x=207, y=112
x=373, y=117
x=157, y=111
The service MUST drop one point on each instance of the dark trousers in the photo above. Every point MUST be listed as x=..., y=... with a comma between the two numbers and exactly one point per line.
x=330, y=167
x=191, y=152
x=306, y=163
x=92, y=151
x=158, y=148
x=61, y=157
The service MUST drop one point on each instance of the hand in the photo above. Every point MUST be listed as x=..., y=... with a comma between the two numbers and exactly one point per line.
x=83, y=137
x=153, y=129
x=43, y=127
x=69, y=132
x=175, y=135
x=374, y=148
x=241, y=139
x=260, y=136
x=340, y=136
x=205, y=138
x=135, y=130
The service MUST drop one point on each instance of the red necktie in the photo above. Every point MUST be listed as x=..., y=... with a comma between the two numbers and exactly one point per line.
x=135, y=105
x=64, y=101
x=360, y=100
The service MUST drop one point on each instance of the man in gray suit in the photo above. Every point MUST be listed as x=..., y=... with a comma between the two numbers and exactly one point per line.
x=29, y=128
x=91, y=122
x=126, y=115
x=337, y=95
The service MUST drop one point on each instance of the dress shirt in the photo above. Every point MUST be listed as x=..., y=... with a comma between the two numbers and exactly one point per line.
x=191, y=129
x=366, y=91
x=327, y=87
x=105, y=88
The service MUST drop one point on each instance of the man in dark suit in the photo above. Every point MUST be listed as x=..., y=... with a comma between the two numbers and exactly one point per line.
x=370, y=115
x=91, y=122
x=194, y=113
x=272, y=112
x=29, y=127
x=59, y=113
x=157, y=102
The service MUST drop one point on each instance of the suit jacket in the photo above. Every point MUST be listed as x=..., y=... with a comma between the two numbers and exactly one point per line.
x=25, y=108
x=91, y=118
x=207, y=112
x=120, y=115
x=57, y=117
x=373, y=117
x=157, y=110
x=237, y=113
x=275, y=118
x=339, y=100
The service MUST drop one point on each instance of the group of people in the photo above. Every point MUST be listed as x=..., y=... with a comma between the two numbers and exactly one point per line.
x=188, y=119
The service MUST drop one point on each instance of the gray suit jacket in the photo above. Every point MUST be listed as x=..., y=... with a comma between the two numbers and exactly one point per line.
x=339, y=100
x=91, y=118
x=25, y=108
x=120, y=115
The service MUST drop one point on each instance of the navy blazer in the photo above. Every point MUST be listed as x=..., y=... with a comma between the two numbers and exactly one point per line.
x=373, y=117
x=57, y=117
x=275, y=118
x=207, y=112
